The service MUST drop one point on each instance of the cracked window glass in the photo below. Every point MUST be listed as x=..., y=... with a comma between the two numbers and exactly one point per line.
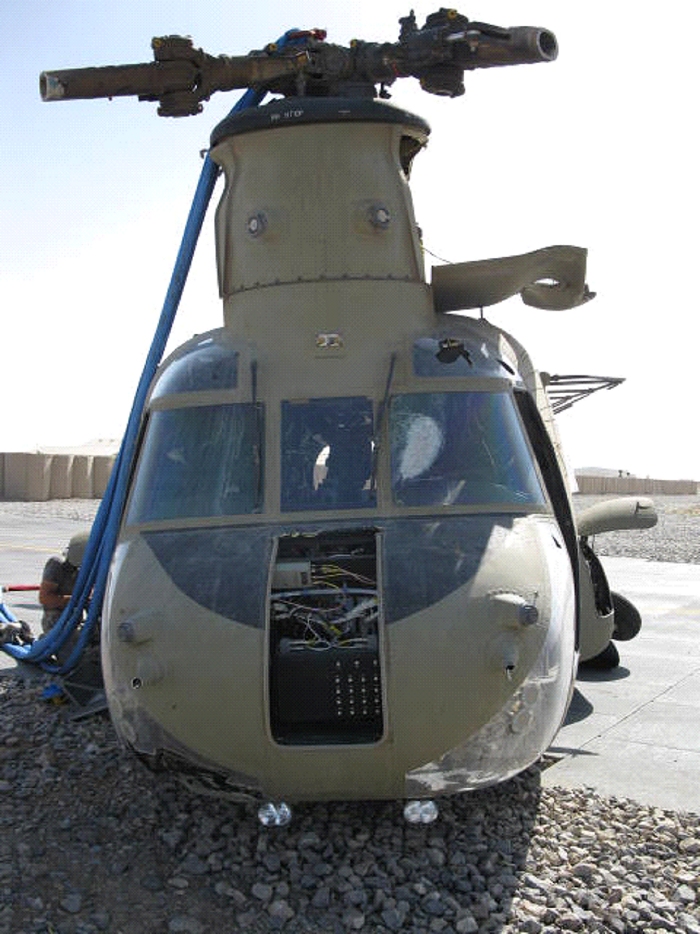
x=199, y=461
x=460, y=448
x=327, y=447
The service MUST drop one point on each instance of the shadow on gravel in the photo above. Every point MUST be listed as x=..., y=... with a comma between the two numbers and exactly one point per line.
x=92, y=841
x=464, y=869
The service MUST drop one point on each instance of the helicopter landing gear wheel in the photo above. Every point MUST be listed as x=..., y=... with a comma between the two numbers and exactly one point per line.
x=628, y=621
x=606, y=660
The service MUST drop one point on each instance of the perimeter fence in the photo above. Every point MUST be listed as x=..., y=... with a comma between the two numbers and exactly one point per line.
x=636, y=486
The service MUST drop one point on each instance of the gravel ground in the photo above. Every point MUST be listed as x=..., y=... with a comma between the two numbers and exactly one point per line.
x=91, y=841
x=82, y=510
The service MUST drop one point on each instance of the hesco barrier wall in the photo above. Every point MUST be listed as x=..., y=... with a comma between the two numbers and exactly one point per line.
x=636, y=485
x=35, y=477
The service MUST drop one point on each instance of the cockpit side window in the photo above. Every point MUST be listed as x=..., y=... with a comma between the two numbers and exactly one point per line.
x=460, y=448
x=199, y=461
x=452, y=357
x=327, y=447
x=208, y=365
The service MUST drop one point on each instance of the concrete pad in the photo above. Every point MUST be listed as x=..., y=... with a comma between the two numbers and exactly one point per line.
x=687, y=692
x=612, y=703
x=666, y=581
x=662, y=725
x=651, y=775
x=26, y=543
x=647, y=671
x=573, y=737
x=634, y=732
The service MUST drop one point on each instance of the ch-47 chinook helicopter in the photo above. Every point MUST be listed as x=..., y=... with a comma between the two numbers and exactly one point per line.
x=348, y=565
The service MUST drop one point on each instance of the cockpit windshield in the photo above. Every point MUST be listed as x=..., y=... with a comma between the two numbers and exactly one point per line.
x=446, y=449
x=199, y=461
x=327, y=454
x=460, y=448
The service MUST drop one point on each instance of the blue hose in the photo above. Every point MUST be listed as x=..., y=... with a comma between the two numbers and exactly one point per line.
x=6, y=614
x=85, y=606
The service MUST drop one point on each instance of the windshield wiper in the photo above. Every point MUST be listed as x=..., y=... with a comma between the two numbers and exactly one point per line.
x=381, y=416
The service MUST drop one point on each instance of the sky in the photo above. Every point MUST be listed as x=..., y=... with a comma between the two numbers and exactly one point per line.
x=598, y=149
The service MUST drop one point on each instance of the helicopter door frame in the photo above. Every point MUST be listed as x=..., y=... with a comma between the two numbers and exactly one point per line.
x=551, y=472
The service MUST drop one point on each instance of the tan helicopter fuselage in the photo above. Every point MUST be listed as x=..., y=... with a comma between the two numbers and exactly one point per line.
x=347, y=567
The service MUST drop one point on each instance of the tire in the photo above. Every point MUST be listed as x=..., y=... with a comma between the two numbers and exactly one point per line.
x=628, y=621
x=606, y=660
